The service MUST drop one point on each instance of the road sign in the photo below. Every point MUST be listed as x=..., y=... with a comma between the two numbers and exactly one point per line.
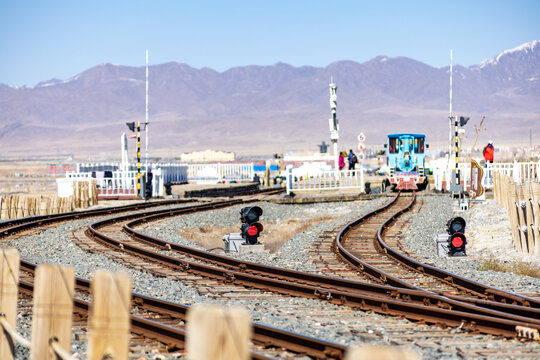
x=361, y=137
x=361, y=146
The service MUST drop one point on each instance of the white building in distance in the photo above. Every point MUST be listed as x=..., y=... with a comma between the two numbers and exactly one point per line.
x=207, y=156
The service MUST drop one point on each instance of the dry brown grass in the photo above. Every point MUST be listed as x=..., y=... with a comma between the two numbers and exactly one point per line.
x=515, y=267
x=273, y=236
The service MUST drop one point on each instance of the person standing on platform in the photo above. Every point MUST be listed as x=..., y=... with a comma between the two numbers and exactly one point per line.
x=488, y=156
x=352, y=160
x=341, y=160
x=488, y=152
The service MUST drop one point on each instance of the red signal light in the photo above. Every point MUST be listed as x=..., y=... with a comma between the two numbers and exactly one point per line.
x=457, y=242
x=253, y=230
x=456, y=245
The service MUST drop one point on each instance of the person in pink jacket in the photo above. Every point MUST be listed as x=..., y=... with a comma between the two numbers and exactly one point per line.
x=341, y=161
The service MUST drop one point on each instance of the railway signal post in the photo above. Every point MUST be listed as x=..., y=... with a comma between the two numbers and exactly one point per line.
x=457, y=239
x=334, y=124
x=131, y=126
x=139, y=192
x=251, y=228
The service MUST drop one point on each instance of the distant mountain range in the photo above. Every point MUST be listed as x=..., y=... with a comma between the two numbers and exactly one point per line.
x=255, y=110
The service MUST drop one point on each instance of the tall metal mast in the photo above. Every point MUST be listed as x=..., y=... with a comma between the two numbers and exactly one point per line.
x=333, y=122
x=450, y=114
x=146, y=121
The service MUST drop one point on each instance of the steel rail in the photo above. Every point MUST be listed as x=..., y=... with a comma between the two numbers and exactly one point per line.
x=318, y=292
x=263, y=335
x=492, y=293
x=495, y=324
x=326, y=282
x=15, y=225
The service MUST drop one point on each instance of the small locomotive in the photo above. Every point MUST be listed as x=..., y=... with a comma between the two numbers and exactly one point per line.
x=406, y=157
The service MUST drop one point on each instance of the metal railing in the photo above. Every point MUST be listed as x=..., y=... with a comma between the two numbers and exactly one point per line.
x=112, y=180
x=521, y=172
x=214, y=173
x=325, y=180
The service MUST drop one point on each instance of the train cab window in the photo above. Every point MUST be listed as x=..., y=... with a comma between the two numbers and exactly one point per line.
x=419, y=145
x=393, y=145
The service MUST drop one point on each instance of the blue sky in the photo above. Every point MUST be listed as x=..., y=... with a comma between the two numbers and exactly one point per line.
x=40, y=40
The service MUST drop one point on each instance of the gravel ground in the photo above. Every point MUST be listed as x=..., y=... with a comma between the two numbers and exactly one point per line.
x=488, y=236
x=54, y=246
x=293, y=253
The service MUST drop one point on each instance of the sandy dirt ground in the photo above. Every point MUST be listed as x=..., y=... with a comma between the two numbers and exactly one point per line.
x=489, y=234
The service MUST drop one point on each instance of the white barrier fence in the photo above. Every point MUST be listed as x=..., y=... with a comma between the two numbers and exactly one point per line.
x=214, y=173
x=325, y=180
x=521, y=172
x=111, y=180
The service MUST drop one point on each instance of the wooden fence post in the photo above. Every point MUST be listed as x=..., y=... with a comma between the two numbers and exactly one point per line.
x=94, y=193
x=9, y=285
x=522, y=216
x=3, y=207
x=24, y=206
x=109, y=326
x=514, y=217
x=218, y=333
x=52, y=311
x=496, y=187
x=382, y=353
x=528, y=192
x=535, y=205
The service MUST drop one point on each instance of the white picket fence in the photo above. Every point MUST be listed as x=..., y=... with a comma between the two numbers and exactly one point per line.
x=214, y=173
x=325, y=180
x=116, y=179
x=521, y=172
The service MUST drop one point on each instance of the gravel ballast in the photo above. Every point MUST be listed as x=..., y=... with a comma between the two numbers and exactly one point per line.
x=488, y=236
x=54, y=245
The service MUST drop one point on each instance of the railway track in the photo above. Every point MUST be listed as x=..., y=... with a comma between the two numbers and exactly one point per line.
x=414, y=304
x=160, y=320
x=165, y=321
x=370, y=245
x=325, y=292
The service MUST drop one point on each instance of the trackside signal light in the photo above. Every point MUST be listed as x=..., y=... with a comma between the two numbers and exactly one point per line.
x=457, y=239
x=456, y=245
x=131, y=126
x=456, y=225
x=254, y=229
x=251, y=228
x=250, y=214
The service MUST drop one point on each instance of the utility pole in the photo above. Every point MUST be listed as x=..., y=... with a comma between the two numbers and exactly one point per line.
x=146, y=121
x=450, y=113
x=333, y=123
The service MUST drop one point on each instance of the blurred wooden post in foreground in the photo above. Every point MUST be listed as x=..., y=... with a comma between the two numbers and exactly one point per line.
x=9, y=285
x=53, y=310
x=109, y=323
x=218, y=333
